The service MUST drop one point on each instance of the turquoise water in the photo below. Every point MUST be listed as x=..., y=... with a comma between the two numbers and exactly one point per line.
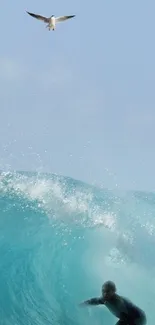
x=60, y=239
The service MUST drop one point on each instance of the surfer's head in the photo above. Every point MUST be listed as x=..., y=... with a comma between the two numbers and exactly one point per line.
x=108, y=289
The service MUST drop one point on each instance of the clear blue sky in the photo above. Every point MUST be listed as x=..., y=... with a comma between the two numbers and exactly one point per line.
x=80, y=101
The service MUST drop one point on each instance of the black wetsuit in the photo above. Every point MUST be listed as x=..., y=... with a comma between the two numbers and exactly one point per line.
x=122, y=308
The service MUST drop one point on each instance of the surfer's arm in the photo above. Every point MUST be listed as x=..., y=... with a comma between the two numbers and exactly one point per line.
x=93, y=301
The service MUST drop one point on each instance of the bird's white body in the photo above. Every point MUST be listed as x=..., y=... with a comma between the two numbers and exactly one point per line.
x=52, y=23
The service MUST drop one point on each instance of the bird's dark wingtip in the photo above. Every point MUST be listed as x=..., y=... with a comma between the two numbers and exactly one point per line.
x=30, y=13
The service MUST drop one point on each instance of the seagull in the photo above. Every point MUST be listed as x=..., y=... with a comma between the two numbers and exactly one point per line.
x=51, y=21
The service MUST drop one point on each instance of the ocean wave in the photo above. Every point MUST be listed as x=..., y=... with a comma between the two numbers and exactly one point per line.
x=60, y=239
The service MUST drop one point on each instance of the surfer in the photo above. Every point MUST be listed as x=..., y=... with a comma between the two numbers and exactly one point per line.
x=120, y=307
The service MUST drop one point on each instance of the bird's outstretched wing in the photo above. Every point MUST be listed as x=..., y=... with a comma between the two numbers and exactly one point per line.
x=63, y=18
x=45, y=19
